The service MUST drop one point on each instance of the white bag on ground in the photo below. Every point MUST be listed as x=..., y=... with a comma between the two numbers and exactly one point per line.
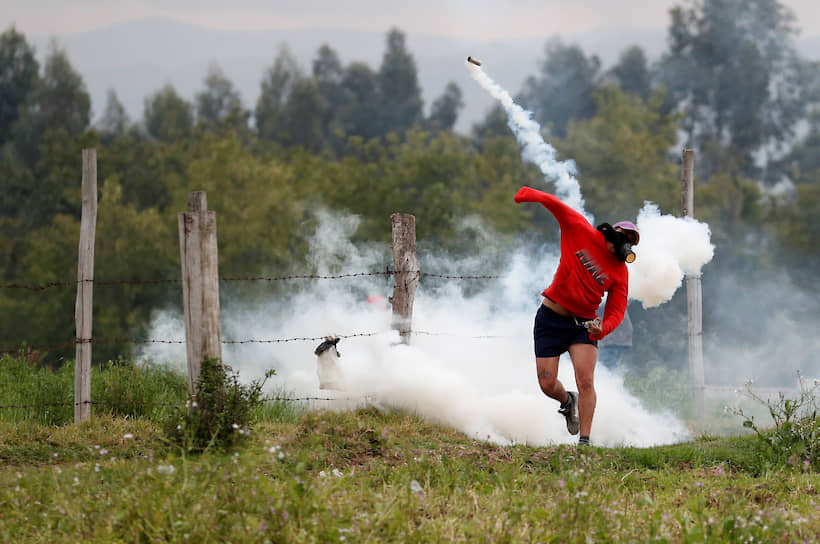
x=327, y=365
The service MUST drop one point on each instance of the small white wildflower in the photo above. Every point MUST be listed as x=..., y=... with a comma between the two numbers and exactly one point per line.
x=194, y=404
x=96, y=447
x=128, y=436
x=56, y=455
x=76, y=481
x=58, y=470
x=235, y=426
x=322, y=474
x=273, y=449
x=337, y=473
x=166, y=469
x=416, y=488
x=281, y=455
x=97, y=467
x=179, y=427
x=103, y=451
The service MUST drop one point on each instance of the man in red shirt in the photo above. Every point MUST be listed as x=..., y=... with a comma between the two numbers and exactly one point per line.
x=593, y=261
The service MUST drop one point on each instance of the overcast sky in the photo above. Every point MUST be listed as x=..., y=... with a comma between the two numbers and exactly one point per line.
x=136, y=59
x=469, y=20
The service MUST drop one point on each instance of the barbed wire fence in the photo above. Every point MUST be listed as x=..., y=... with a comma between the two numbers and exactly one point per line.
x=313, y=277
x=110, y=341
x=415, y=275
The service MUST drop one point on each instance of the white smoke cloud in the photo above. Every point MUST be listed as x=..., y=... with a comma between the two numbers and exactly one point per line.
x=670, y=246
x=470, y=365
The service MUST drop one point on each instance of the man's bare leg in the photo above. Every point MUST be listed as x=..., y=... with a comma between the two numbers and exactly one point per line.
x=547, y=368
x=583, y=359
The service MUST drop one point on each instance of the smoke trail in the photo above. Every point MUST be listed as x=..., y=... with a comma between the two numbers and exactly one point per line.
x=670, y=246
x=528, y=133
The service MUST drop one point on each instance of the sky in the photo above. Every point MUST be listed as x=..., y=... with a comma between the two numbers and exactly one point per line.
x=136, y=47
x=460, y=19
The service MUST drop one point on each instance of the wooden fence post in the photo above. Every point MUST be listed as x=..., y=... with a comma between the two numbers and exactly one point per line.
x=85, y=288
x=693, y=293
x=406, y=275
x=200, y=285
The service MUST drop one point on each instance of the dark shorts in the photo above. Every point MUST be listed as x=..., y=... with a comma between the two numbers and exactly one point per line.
x=555, y=333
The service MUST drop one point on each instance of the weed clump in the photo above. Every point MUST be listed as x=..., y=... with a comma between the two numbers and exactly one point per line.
x=794, y=441
x=219, y=415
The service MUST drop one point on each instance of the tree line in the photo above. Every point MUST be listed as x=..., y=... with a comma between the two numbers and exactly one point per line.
x=356, y=138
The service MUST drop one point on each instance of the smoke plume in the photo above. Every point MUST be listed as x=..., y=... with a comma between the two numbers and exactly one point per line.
x=670, y=246
x=469, y=364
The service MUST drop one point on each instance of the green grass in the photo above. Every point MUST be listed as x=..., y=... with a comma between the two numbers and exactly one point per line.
x=385, y=476
x=334, y=477
x=45, y=395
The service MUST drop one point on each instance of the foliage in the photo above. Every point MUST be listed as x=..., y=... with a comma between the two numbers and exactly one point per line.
x=218, y=101
x=621, y=156
x=114, y=122
x=731, y=69
x=58, y=100
x=399, y=91
x=167, y=116
x=795, y=439
x=631, y=73
x=219, y=414
x=18, y=75
x=445, y=108
x=564, y=87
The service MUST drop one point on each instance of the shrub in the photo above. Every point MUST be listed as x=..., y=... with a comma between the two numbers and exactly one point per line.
x=219, y=415
x=795, y=438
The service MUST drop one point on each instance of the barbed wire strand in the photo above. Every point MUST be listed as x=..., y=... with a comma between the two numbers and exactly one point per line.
x=110, y=341
x=388, y=272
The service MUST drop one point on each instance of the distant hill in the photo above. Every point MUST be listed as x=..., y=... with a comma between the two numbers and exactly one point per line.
x=139, y=57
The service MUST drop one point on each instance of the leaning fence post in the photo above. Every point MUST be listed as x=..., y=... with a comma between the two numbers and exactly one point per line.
x=85, y=288
x=406, y=273
x=693, y=293
x=200, y=285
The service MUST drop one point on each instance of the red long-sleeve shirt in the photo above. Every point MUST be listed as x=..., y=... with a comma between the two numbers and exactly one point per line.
x=586, y=269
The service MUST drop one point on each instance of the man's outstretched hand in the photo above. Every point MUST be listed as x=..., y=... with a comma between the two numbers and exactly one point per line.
x=526, y=194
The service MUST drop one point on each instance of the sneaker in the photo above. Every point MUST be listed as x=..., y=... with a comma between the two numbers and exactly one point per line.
x=570, y=411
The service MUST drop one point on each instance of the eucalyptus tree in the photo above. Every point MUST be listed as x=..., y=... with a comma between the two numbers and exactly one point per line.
x=18, y=75
x=733, y=74
x=168, y=116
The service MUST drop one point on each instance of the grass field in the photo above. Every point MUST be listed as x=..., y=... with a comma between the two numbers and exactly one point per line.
x=385, y=476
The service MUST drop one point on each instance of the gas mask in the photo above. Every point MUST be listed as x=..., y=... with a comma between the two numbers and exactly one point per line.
x=623, y=246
